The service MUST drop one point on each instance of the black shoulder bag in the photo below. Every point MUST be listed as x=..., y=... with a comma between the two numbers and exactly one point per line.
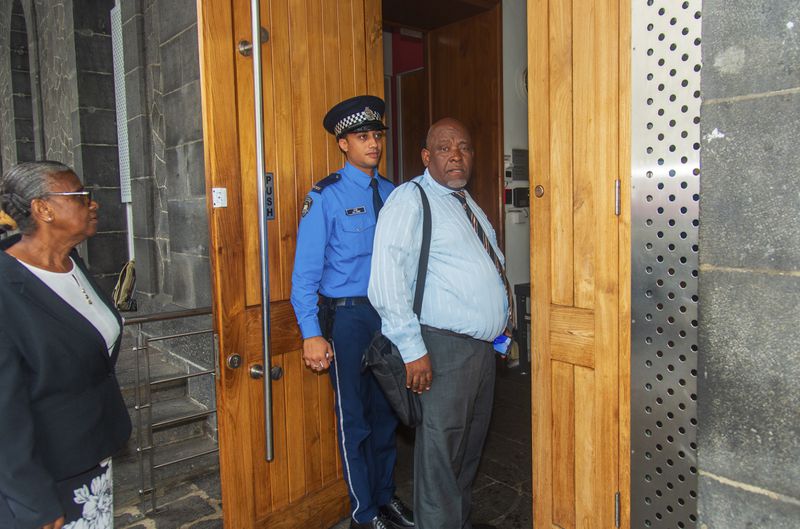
x=382, y=356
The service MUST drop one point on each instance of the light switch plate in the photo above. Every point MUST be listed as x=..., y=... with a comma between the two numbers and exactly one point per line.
x=219, y=197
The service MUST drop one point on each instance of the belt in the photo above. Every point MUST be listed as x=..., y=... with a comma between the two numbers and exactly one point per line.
x=345, y=302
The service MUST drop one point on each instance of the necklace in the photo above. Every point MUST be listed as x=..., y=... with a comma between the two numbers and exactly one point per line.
x=83, y=290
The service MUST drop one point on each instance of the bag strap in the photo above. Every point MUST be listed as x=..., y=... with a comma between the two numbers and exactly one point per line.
x=422, y=268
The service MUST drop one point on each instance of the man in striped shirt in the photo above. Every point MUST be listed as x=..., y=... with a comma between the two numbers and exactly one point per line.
x=448, y=351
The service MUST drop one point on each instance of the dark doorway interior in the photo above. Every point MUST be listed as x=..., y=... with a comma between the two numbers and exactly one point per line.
x=446, y=61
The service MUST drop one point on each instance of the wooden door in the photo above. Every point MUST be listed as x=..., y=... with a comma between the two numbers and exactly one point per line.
x=464, y=65
x=318, y=53
x=578, y=99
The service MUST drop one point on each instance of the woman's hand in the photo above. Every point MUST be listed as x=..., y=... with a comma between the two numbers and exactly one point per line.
x=58, y=524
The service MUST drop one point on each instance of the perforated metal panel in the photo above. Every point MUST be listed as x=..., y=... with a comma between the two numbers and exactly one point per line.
x=664, y=200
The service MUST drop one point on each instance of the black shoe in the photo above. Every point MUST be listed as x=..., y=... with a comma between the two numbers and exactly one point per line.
x=377, y=523
x=483, y=526
x=397, y=514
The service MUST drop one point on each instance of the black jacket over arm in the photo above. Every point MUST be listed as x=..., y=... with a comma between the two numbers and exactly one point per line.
x=61, y=410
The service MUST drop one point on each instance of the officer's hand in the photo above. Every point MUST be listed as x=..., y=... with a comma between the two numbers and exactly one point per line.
x=317, y=353
x=419, y=374
x=57, y=524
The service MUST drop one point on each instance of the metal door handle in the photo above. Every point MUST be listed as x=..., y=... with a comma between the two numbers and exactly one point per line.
x=255, y=18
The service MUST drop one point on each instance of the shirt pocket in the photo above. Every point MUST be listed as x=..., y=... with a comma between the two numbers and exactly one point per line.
x=356, y=233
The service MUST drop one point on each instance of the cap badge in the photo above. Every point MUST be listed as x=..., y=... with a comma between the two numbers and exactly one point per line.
x=371, y=115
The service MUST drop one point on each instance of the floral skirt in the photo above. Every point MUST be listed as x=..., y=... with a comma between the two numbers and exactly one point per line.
x=88, y=498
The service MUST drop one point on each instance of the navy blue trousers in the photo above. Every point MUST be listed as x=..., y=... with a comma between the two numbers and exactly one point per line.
x=366, y=422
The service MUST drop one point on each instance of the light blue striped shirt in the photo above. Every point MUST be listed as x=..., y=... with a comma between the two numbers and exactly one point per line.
x=463, y=291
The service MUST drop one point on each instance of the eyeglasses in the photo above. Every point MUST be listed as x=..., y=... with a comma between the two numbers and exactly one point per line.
x=86, y=194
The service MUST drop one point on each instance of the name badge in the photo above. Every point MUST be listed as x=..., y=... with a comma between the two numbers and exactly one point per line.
x=355, y=211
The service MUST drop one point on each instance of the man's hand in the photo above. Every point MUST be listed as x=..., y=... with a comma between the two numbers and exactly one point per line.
x=317, y=353
x=57, y=524
x=419, y=374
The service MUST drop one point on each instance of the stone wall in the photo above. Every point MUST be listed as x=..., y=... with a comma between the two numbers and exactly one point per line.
x=166, y=146
x=749, y=383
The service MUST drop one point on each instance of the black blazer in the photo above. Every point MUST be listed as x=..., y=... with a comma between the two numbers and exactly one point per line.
x=61, y=410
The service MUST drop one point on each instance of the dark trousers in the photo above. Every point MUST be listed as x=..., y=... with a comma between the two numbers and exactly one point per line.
x=366, y=422
x=455, y=419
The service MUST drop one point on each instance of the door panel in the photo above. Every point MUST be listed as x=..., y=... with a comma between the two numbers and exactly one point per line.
x=464, y=64
x=574, y=125
x=318, y=53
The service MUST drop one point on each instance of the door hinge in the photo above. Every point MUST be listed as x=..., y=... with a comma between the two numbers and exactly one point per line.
x=616, y=502
x=617, y=198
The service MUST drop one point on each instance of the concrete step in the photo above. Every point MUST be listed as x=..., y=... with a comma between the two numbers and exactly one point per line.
x=173, y=420
x=127, y=472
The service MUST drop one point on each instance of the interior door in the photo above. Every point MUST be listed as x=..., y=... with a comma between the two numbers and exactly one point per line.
x=465, y=81
x=577, y=127
x=318, y=52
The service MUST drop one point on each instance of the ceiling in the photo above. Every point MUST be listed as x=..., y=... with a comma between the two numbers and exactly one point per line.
x=431, y=14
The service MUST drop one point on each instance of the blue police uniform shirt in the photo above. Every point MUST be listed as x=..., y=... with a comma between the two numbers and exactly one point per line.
x=334, y=244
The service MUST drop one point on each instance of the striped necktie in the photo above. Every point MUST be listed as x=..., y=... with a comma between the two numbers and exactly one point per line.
x=377, y=201
x=462, y=197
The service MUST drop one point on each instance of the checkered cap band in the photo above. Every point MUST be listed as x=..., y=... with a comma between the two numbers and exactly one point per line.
x=353, y=120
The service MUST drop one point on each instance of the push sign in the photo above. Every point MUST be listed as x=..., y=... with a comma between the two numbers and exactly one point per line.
x=269, y=196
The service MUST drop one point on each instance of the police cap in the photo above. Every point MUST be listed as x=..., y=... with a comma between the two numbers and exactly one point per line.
x=356, y=114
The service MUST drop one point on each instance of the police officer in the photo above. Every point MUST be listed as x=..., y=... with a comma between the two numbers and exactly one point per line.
x=329, y=296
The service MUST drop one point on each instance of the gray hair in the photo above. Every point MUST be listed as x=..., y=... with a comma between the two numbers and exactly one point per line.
x=23, y=183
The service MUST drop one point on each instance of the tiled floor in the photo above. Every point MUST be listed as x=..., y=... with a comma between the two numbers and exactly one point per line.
x=502, y=491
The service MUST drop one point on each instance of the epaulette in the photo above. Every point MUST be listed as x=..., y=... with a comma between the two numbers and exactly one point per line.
x=325, y=182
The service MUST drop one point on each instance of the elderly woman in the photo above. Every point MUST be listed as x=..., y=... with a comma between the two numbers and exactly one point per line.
x=61, y=411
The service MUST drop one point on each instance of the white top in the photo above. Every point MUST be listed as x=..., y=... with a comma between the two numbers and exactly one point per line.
x=75, y=289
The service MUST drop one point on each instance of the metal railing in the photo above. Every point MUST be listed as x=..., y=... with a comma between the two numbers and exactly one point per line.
x=145, y=445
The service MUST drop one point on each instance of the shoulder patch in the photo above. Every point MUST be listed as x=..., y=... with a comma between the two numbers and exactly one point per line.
x=325, y=182
x=306, y=205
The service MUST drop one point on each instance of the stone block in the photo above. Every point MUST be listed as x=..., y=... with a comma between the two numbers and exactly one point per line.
x=133, y=43
x=175, y=16
x=107, y=253
x=18, y=22
x=722, y=506
x=135, y=93
x=18, y=40
x=180, y=60
x=93, y=53
x=191, y=280
x=182, y=115
x=26, y=151
x=190, y=56
x=186, y=170
x=20, y=61
x=93, y=16
x=23, y=129
x=750, y=191
x=146, y=258
x=130, y=9
x=96, y=90
x=99, y=165
x=750, y=47
x=188, y=226
x=97, y=126
x=112, y=214
x=139, y=146
x=171, y=65
x=142, y=200
x=23, y=106
x=21, y=82
x=749, y=383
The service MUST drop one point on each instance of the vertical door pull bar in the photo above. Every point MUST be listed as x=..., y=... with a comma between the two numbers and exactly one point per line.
x=617, y=198
x=255, y=15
